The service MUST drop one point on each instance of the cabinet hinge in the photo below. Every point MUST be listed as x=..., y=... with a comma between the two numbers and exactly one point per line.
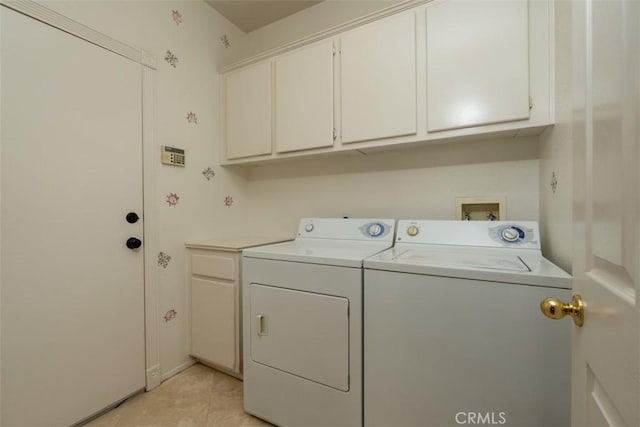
x=335, y=134
x=530, y=103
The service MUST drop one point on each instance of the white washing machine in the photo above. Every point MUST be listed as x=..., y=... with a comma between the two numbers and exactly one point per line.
x=453, y=330
x=302, y=332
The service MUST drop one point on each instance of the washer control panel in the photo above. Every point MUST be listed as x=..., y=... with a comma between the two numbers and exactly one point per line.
x=413, y=230
x=511, y=234
x=494, y=234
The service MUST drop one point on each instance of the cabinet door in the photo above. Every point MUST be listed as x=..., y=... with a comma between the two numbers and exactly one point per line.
x=304, y=98
x=213, y=323
x=378, y=80
x=477, y=63
x=248, y=111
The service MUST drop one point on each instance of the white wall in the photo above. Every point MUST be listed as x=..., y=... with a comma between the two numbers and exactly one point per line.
x=417, y=183
x=556, y=153
x=191, y=86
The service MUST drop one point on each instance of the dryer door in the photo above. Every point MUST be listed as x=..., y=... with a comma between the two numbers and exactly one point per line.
x=302, y=333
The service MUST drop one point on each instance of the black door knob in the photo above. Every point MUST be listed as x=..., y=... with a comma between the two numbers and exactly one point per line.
x=133, y=243
x=132, y=217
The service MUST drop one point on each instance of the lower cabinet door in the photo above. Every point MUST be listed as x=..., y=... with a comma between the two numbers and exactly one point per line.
x=213, y=320
x=303, y=333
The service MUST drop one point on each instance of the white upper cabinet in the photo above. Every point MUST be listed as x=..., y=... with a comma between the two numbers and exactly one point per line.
x=477, y=63
x=378, y=80
x=247, y=111
x=304, y=98
x=416, y=72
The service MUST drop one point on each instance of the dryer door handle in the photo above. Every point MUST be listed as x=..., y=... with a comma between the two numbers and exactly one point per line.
x=262, y=325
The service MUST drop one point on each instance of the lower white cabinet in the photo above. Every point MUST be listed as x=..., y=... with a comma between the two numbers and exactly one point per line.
x=213, y=319
x=214, y=269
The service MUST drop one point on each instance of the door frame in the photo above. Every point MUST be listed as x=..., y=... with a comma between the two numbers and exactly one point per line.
x=148, y=67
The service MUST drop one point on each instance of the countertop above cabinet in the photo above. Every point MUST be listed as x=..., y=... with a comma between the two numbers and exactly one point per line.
x=235, y=243
x=414, y=73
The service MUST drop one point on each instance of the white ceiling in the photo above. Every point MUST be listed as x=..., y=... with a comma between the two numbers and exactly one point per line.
x=249, y=15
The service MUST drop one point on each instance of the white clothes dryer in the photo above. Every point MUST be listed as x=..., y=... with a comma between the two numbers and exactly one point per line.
x=453, y=330
x=302, y=331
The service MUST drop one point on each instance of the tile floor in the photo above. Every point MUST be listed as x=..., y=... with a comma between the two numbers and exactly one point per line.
x=198, y=396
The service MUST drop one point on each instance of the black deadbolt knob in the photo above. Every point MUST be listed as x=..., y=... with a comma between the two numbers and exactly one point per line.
x=132, y=217
x=133, y=243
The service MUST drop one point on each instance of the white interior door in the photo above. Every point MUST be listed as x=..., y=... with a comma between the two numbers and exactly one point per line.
x=72, y=292
x=606, y=208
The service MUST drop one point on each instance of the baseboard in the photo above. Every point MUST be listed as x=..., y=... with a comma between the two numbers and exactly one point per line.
x=221, y=369
x=153, y=377
x=177, y=369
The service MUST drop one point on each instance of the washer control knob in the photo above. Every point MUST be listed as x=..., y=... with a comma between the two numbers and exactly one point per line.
x=413, y=230
x=510, y=234
x=308, y=228
x=375, y=230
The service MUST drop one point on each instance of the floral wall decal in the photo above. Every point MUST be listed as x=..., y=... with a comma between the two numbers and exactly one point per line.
x=170, y=315
x=554, y=182
x=163, y=260
x=225, y=41
x=208, y=173
x=228, y=201
x=172, y=199
x=192, y=118
x=177, y=18
x=171, y=59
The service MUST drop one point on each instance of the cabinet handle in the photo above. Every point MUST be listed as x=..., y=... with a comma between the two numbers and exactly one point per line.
x=262, y=325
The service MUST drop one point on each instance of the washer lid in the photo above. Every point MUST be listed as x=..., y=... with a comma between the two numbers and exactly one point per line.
x=473, y=260
x=516, y=266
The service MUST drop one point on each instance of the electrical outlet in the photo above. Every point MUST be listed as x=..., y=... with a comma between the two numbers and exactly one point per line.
x=153, y=377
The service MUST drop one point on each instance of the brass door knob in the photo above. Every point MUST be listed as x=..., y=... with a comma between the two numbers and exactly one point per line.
x=555, y=308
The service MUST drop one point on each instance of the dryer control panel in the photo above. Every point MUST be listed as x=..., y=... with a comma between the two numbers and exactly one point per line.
x=346, y=229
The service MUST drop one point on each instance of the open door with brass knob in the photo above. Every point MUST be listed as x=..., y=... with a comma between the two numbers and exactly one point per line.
x=603, y=112
x=555, y=308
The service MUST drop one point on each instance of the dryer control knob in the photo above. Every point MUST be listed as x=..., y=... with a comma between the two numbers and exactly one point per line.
x=510, y=235
x=375, y=230
x=413, y=230
x=308, y=228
